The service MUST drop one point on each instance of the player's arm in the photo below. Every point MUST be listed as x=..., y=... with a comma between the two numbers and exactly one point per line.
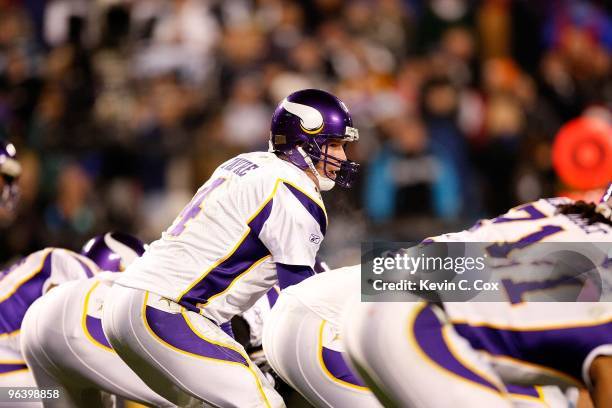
x=292, y=233
x=601, y=378
x=292, y=274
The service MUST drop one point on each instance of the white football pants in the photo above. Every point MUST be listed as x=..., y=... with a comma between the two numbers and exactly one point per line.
x=307, y=353
x=410, y=357
x=182, y=355
x=65, y=347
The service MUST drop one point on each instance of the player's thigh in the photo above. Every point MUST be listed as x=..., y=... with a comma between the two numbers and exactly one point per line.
x=44, y=347
x=51, y=333
x=42, y=334
x=183, y=355
x=277, y=338
x=80, y=350
x=405, y=350
x=307, y=351
x=14, y=373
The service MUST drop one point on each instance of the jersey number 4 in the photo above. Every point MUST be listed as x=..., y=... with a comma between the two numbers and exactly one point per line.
x=193, y=208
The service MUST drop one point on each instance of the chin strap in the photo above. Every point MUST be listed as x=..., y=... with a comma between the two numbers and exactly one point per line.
x=325, y=183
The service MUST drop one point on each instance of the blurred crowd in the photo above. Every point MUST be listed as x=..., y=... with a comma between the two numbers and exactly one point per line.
x=120, y=109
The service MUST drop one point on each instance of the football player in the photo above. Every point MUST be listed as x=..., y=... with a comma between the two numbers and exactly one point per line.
x=489, y=354
x=255, y=317
x=259, y=220
x=302, y=341
x=63, y=342
x=32, y=277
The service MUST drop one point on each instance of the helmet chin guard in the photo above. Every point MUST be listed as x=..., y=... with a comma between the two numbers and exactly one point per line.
x=325, y=183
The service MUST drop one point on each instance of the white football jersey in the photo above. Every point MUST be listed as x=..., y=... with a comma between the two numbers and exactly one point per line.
x=538, y=221
x=524, y=337
x=219, y=255
x=30, y=278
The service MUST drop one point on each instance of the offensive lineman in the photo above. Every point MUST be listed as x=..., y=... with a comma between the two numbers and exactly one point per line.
x=27, y=280
x=303, y=342
x=63, y=342
x=65, y=348
x=257, y=221
x=303, y=345
x=481, y=354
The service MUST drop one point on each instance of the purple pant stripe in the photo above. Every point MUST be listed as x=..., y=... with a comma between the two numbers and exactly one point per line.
x=172, y=328
x=14, y=308
x=523, y=390
x=7, y=368
x=335, y=364
x=94, y=327
x=428, y=334
x=541, y=347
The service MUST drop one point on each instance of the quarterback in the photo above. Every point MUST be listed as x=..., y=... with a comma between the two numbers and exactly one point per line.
x=259, y=220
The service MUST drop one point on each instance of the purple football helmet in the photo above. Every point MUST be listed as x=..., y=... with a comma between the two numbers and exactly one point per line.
x=302, y=126
x=10, y=170
x=113, y=251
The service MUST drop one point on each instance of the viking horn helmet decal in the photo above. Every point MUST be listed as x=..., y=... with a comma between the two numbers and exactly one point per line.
x=311, y=119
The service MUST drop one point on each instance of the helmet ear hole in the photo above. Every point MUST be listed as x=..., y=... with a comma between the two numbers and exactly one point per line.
x=313, y=150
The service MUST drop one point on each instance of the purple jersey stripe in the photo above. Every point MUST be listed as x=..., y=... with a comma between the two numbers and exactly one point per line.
x=541, y=347
x=259, y=220
x=7, y=368
x=249, y=251
x=174, y=330
x=94, y=327
x=335, y=364
x=523, y=390
x=14, y=307
x=312, y=207
x=428, y=334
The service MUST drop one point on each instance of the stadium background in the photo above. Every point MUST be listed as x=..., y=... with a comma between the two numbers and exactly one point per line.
x=120, y=109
